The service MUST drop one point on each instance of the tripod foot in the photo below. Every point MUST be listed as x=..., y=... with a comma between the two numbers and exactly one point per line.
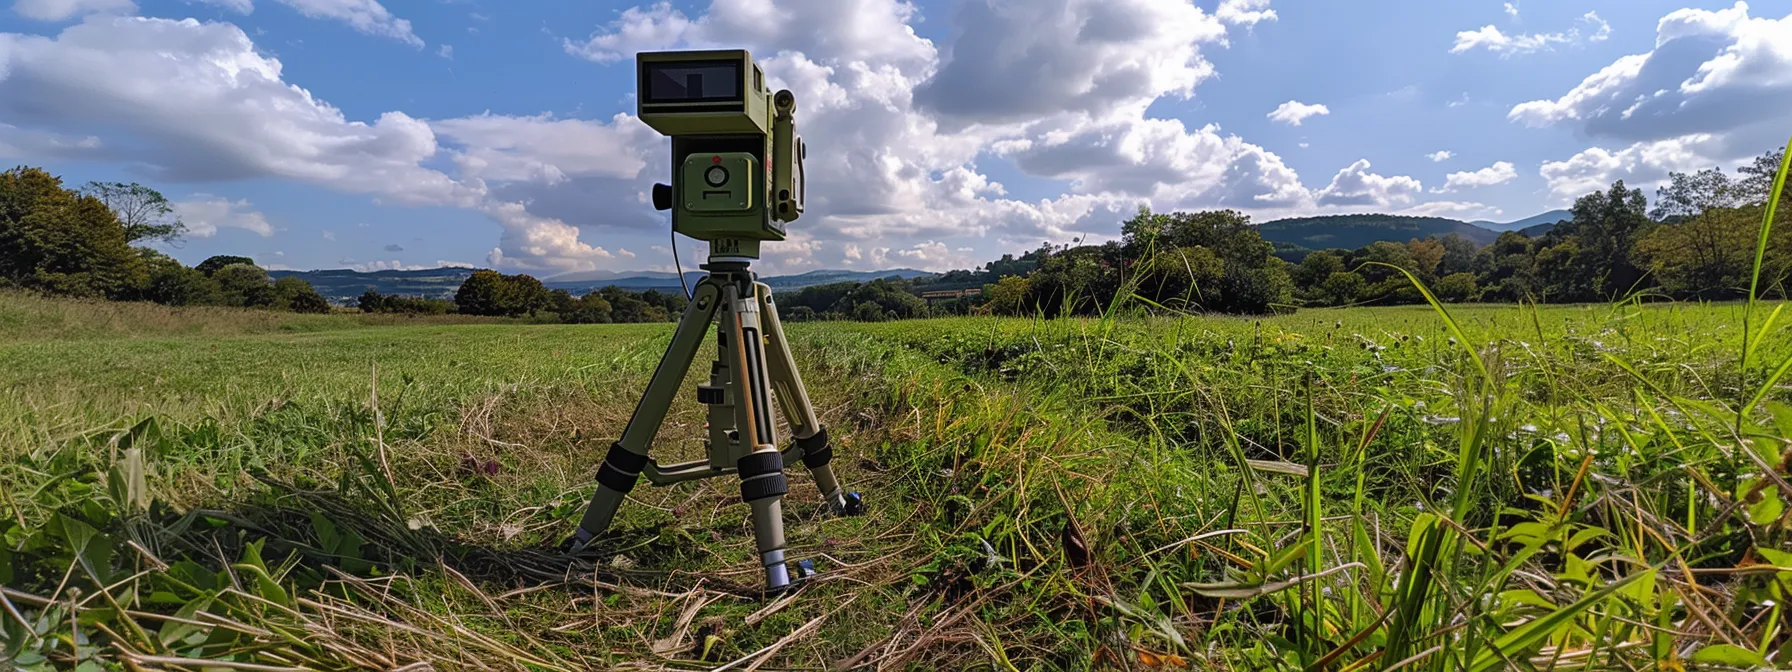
x=854, y=506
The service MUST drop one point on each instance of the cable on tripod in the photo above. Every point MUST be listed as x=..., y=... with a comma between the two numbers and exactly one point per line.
x=679, y=267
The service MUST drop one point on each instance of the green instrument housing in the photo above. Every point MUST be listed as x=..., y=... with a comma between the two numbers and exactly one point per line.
x=736, y=158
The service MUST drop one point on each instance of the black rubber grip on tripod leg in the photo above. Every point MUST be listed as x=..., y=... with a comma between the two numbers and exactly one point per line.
x=761, y=476
x=621, y=468
x=816, y=451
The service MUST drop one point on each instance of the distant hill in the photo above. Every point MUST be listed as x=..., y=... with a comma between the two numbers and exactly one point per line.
x=1546, y=219
x=1537, y=230
x=1296, y=236
x=342, y=286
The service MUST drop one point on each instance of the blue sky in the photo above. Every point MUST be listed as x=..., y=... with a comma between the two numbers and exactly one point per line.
x=942, y=133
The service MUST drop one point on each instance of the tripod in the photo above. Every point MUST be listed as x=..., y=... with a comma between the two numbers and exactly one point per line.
x=752, y=359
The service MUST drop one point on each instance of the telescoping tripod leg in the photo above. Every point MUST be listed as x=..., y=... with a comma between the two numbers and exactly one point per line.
x=761, y=465
x=811, y=437
x=628, y=456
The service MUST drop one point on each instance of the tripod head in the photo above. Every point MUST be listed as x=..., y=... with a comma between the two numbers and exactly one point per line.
x=737, y=161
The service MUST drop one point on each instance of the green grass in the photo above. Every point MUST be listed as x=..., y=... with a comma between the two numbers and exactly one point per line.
x=1425, y=488
x=962, y=432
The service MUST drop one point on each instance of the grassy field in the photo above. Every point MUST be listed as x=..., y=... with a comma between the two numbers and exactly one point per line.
x=1371, y=488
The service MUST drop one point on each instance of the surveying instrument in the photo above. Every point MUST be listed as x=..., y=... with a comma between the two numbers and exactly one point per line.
x=737, y=179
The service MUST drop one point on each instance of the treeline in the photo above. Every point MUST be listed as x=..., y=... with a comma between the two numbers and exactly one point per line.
x=490, y=293
x=83, y=243
x=1698, y=242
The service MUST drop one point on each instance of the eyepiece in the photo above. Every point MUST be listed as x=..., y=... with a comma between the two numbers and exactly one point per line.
x=784, y=101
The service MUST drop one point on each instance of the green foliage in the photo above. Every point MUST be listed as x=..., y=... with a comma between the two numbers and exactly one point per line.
x=62, y=242
x=147, y=216
x=246, y=286
x=213, y=264
x=372, y=301
x=294, y=294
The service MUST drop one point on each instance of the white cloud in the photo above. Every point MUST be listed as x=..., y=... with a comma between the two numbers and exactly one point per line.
x=1293, y=112
x=1709, y=71
x=899, y=125
x=1711, y=93
x=238, y=6
x=366, y=16
x=62, y=10
x=1500, y=172
x=197, y=102
x=1244, y=12
x=329, y=235
x=1644, y=164
x=1355, y=186
x=1490, y=37
x=1106, y=59
x=446, y=51
x=204, y=214
x=441, y=263
x=1439, y=156
x=1512, y=10
x=1459, y=102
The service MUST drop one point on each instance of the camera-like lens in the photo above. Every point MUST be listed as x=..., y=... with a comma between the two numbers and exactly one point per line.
x=716, y=176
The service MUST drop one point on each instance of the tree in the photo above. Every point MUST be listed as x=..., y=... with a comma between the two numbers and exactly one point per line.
x=60, y=241
x=588, y=309
x=482, y=293
x=868, y=311
x=1342, y=288
x=1757, y=180
x=525, y=294
x=212, y=264
x=145, y=214
x=1687, y=196
x=294, y=294
x=371, y=302
x=173, y=284
x=246, y=286
x=1459, y=255
x=1606, y=225
x=1458, y=287
x=1006, y=294
x=798, y=314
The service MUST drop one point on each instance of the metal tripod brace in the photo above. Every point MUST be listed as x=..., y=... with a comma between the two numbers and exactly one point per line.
x=753, y=358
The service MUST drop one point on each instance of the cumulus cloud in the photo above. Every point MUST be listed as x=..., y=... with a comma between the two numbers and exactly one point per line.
x=1095, y=57
x=62, y=10
x=1512, y=10
x=1500, y=172
x=200, y=104
x=1244, y=12
x=1357, y=187
x=1712, y=92
x=1293, y=112
x=204, y=214
x=1439, y=156
x=902, y=124
x=1491, y=38
x=1643, y=164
